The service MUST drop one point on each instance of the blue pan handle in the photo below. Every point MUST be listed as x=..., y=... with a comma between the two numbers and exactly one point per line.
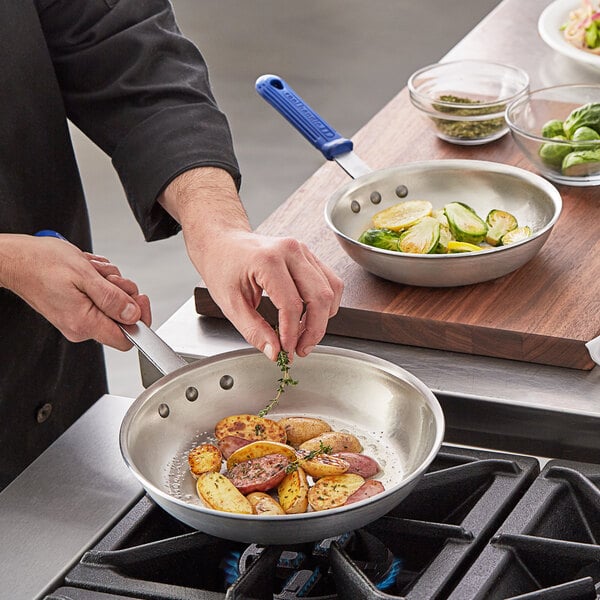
x=317, y=131
x=50, y=233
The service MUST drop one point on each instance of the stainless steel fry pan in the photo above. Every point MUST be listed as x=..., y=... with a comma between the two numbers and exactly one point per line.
x=397, y=418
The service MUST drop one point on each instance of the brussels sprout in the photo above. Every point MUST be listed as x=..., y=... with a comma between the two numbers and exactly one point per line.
x=585, y=134
x=553, y=154
x=587, y=115
x=421, y=238
x=455, y=246
x=402, y=215
x=385, y=239
x=465, y=224
x=553, y=128
x=584, y=162
x=516, y=235
x=499, y=223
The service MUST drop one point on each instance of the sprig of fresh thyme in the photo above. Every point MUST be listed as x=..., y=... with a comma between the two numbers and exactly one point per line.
x=283, y=362
x=322, y=449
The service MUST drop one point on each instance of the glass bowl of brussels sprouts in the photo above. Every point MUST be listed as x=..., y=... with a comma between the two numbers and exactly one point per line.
x=465, y=101
x=558, y=130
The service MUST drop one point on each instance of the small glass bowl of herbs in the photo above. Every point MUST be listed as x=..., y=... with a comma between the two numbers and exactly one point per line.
x=465, y=100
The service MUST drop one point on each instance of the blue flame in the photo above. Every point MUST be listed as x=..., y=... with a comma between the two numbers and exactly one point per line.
x=392, y=574
x=231, y=567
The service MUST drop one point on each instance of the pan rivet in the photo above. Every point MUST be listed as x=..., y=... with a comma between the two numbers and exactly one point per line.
x=163, y=410
x=375, y=197
x=401, y=191
x=355, y=206
x=191, y=394
x=226, y=382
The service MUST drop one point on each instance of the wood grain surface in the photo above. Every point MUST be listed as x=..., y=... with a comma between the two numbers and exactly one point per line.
x=544, y=312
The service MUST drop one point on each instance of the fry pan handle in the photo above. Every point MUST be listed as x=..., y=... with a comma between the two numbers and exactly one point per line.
x=317, y=131
x=150, y=344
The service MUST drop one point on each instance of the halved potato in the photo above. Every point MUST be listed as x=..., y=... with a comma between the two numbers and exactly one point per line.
x=324, y=465
x=264, y=504
x=334, y=491
x=219, y=493
x=258, y=449
x=300, y=429
x=336, y=440
x=293, y=492
x=250, y=427
x=204, y=458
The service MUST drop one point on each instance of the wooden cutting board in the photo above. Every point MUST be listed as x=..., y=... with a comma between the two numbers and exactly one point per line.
x=544, y=312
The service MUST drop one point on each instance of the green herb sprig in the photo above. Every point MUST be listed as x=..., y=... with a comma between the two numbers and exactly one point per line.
x=323, y=449
x=283, y=362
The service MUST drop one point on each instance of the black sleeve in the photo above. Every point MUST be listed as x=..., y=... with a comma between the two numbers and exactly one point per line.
x=139, y=90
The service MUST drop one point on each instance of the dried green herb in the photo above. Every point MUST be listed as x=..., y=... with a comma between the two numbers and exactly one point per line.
x=283, y=362
x=467, y=130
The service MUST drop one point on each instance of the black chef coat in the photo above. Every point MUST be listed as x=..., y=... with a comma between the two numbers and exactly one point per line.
x=121, y=71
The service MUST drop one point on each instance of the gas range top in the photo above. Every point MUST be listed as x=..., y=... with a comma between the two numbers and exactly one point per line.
x=478, y=525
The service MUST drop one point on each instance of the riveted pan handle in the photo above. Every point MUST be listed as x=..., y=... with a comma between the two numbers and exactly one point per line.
x=316, y=130
x=150, y=344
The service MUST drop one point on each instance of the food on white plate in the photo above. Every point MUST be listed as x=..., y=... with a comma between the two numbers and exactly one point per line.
x=300, y=429
x=368, y=489
x=258, y=449
x=219, y=493
x=582, y=28
x=269, y=477
x=250, y=427
x=259, y=474
x=359, y=464
x=263, y=504
x=336, y=441
x=204, y=458
x=333, y=491
x=292, y=492
x=454, y=228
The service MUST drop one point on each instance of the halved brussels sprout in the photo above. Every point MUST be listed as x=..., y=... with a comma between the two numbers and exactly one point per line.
x=421, y=238
x=381, y=238
x=454, y=246
x=499, y=223
x=516, y=235
x=553, y=128
x=465, y=224
x=402, y=215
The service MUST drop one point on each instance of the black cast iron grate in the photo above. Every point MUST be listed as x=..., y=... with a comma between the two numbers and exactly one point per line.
x=422, y=549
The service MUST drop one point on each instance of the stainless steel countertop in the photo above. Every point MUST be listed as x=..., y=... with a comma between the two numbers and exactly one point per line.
x=495, y=403
x=63, y=502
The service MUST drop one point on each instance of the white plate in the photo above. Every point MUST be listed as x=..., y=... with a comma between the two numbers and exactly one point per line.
x=549, y=24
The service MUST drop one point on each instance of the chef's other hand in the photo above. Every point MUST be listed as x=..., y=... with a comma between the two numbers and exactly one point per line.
x=237, y=265
x=81, y=295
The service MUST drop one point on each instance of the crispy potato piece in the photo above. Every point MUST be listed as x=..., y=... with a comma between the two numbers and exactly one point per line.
x=204, y=458
x=330, y=492
x=324, y=465
x=219, y=493
x=293, y=492
x=250, y=427
x=300, y=429
x=258, y=449
x=336, y=440
x=264, y=504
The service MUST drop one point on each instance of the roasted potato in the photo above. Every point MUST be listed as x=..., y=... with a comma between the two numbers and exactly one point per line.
x=360, y=464
x=336, y=440
x=263, y=504
x=219, y=493
x=250, y=427
x=258, y=449
x=369, y=488
x=300, y=429
x=334, y=491
x=230, y=443
x=293, y=492
x=204, y=458
x=323, y=465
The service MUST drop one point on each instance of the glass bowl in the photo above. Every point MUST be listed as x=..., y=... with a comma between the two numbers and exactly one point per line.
x=465, y=101
x=554, y=128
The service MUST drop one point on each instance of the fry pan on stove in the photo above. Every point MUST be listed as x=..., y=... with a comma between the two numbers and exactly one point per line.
x=396, y=417
x=483, y=185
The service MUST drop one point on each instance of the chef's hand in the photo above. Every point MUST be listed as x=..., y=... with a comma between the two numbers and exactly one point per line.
x=237, y=265
x=80, y=294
